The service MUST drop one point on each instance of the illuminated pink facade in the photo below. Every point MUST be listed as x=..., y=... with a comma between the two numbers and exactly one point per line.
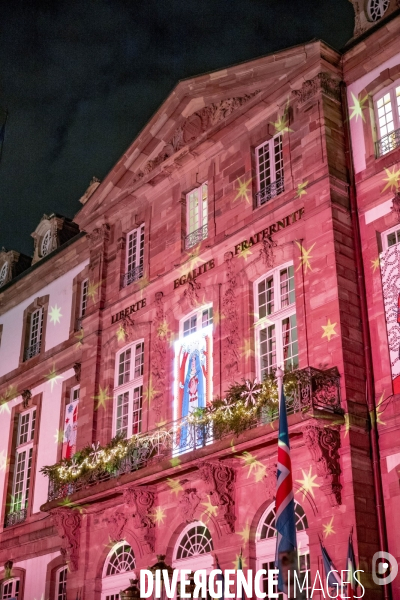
x=249, y=226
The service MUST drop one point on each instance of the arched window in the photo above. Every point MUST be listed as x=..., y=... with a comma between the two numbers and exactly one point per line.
x=10, y=589
x=3, y=273
x=266, y=542
x=117, y=571
x=387, y=117
x=377, y=8
x=128, y=390
x=61, y=584
x=46, y=243
x=192, y=550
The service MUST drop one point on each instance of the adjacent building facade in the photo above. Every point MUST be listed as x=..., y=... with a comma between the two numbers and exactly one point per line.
x=254, y=223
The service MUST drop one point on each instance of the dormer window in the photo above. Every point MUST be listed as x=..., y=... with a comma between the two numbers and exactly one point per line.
x=46, y=243
x=3, y=273
x=387, y=115
x=376, y=9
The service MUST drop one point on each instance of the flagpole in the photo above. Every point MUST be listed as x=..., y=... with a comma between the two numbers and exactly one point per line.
x=279, y=378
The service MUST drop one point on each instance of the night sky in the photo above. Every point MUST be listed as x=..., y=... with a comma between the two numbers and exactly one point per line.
x=80, y=79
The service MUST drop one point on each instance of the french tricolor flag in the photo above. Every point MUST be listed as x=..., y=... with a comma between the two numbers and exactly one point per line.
x=333, y=576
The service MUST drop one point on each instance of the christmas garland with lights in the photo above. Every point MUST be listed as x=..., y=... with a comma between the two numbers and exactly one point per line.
x=243, y=407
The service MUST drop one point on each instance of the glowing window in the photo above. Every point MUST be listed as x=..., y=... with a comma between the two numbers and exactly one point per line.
x=195, y=541
x=387, y=118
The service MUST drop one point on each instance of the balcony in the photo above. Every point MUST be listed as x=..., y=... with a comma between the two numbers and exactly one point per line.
x=270, y=191
x=16, y=517
x=388, y=143
x=32, y=351
x=132, y=275
x=196, y=237
x=311, y=390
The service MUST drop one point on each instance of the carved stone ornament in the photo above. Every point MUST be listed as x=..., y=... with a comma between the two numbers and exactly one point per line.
x=77, y=369
x=191, y=293
x=99, y=235
x=395, y=208
x=26, y=396
x=220, y=486
x=68, y=522
x=159, y=357
x=188, y=504
x=270, y=480
x=231, y=322
x=193, y=127
x=140, y=501
x=324, y=444
x=323, y=82
x=116, y=522
x=267, y=251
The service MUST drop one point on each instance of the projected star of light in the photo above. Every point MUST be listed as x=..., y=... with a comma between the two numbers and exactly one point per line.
x=10, y=393
x=301, y=189
x=246, y=350
x=4, y=461
x=307, y=483
x=245, y=533
x=245, y=253
x=192, y=261
x=328, y=528
x=67, y=503
x=261, y=321
x=250, y=461
x=175, y=462
x=375, y=264
x=329, y=330
x=174, y=485
x=210, y=509
x=121, y=333
x=55, y=314
x=59, y=436
x=163, y=330
x=282, y=124
x=392, y=179
x=161, y=423
x=79, y=337
x=101, y=398
x=357, y=108
x=150, y=392
x=243, y=190
x=159, y=515
x=142, y=283
x=237, y=561
x=53, y=378
x=378, y=412
x=92, y=290
x=304, y=257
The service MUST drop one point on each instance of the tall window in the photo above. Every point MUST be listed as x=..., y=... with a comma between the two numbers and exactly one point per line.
x=387, y=115
x=270, y=179
x=196, y=216
x=117, y=571
x=18, y=505
x=61, y=584
x=71, y=423
x=83, y=300
x=35, y=324
x=10, y=589
x=266, y=545
x=128, y=391
x=134, y=255
x=276, y=325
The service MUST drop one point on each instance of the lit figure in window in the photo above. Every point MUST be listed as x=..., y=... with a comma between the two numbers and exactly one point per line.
x=70, y=427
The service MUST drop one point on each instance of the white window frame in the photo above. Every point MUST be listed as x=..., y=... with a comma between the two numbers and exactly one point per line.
x=197, y=229
x=23, y=447
x=13, y=593
x=75, y=393
x=383, y=6
x=35, y=337
x=61, y=578
x=83, y=298
x=276, y=318
x=134, y=383
x=385, y=234
x=395, y=108
x=198, y=313
x=135, y=259
x=266, y=548
x=45, y=243
x=111, y=585
x=198, y=561
x=3, y=273
x=273, y=163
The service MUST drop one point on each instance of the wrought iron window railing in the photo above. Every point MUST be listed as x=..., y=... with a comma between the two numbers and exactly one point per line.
x=132, y=275
x=270, y=191
x=314, y=389
x=388, y=143
x=16, y=517
x=32, y=351
x=196, y=237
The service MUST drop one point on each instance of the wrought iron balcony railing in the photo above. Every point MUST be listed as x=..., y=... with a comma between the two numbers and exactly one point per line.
x=132, y=275
x=313, y=389
x=273, y=189
x=32, y=351
x=196, y=237
x=16, y=517
x=388, y=143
